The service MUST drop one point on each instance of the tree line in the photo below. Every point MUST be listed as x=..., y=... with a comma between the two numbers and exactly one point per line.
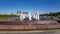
x=13, y=15
x=6, y=15
x=51, y=14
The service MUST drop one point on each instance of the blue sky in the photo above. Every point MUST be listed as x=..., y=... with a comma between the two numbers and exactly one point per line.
x=42, y=6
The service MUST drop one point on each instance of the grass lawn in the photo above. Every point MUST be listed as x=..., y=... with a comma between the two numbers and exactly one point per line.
x=2, y=18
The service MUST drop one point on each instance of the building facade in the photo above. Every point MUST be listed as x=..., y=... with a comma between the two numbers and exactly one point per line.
x=28, y=14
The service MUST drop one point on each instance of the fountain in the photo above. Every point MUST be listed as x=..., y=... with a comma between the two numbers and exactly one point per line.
x=28, y=18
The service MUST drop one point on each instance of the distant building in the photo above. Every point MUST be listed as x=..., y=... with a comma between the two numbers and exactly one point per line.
x=29, y=15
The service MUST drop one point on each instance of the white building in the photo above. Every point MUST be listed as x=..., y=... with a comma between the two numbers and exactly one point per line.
x=26, y=14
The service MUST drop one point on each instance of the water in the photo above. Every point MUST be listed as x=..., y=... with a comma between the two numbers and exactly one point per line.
x=14, y=19
x=18, y=19
x=44, y=19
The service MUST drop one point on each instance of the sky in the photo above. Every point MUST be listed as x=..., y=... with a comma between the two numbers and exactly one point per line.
x=41, y=6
